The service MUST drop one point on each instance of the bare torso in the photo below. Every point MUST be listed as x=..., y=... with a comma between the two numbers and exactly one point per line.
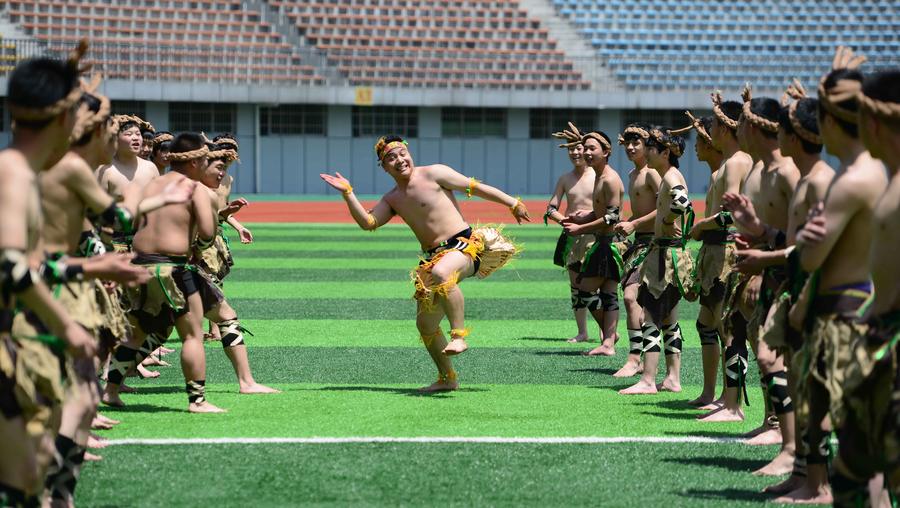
x=63, y=207
x=579, y=188
x=773, y=196
x=885, y=246
x=116, y=177
x=608, y=191
x=643, y=185
x=430, y=210
x=16, y=176
x=810, y=191
x=168, y=230
x=846, y=262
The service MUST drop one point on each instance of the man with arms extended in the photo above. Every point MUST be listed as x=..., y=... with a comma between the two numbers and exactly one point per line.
x=424, y=199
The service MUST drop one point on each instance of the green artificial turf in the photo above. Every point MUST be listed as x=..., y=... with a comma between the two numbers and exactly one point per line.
x=331, y=311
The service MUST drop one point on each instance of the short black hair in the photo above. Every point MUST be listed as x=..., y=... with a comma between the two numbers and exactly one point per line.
x=124, y=126
x=39, y=83
x=706, y=122
x=885, y=87
x=225, y=145
x=850, y=104
x=147, y=134
x=660, y=145
x=806, y=115
x=767, y=108
x=186, y=142
x=93, y=104
x=164, y=146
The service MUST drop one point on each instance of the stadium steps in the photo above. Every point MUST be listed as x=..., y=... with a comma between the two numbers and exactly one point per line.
x=577, y=48
x=288, y=30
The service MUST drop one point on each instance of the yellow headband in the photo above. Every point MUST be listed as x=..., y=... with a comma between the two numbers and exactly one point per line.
x=383, y=150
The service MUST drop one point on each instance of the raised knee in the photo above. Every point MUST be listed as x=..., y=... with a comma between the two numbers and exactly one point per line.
x=442, y=274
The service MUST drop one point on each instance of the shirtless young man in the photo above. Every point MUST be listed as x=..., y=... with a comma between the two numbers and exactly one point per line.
x=163, y=245
x=798, y=138
x=208, y=261
x=769, y=187
x=423, y=198
x=126, y=167
x=643, y=185
x=43, y=97
x=577, y=186
x=161, y=142
x=70, y=194
x=868, y=442
x=839, y=254
x=716, y=257
x=666, y=271
x=602, y=267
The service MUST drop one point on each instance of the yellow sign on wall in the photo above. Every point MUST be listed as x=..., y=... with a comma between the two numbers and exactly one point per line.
x=363, y=96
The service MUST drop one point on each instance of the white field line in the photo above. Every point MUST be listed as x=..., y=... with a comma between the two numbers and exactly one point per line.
x=448, y=439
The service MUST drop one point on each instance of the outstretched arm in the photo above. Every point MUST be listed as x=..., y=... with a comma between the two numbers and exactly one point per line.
x=366, y=219
x=448, y=178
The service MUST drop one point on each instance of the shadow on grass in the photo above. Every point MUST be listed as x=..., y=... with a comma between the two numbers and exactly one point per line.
x=703, y=433
x=546, y=339
x=722, y=462
x=596, y=370
x=725, y=495
x=669, y=415
x=156, y=390
x=141, y=408
x=409, y=392
x=674, y=405
x=561, y=352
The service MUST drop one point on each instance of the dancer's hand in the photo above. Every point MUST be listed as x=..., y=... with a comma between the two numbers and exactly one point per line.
x=518, y=210
x=338, y=182
x=624, y=228
x=573, y=229
x=743, y=213
x=813, y=231
x=750, y=261
x=117, y=268
x=245, y=235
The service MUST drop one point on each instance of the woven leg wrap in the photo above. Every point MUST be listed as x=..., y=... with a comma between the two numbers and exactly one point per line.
x=577, y=302
x=63, y=477
x=591, y=300
x=847, y=492
x=778, y=392
x=232, y=333
x=651, y=337
x=736, y=364
x=672, y=339
x=10, y=496
x=123, y=360
x=196, y=391
x=709, y=336
x=609, y=301
x=635, y=342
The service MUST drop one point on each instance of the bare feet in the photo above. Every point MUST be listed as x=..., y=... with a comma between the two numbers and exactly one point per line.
x=808, y=495
x=601, y=350
x=766, y=438
x=791, y=484
x=258, y=388
x=631, y=368
x=98, y=424
x=440, y=386
x=92, y=457
x=123, y=388
x=106, y=419
x=702, y=401
x=455, y=347
x=639, y=388
x=757, y=431
x=146, y=373
x=113, y=400
x=723, y=415
x=96, y=442
x=714, y=405
x=204, y=407
x=669, y=385
x=163, y=350
x=783, y=463
x=208, y=337
x=578, y=338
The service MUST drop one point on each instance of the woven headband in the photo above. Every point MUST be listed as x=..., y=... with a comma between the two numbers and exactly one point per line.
x=717, y=110
x=572, y=135
x=141, y=123
x=162, y=137
x=600, y=139
x=668, y=143
x=695, y=125
x=203, y=151
x=88, y=120
x=762, y=123
x=797, y=92
x=227, y=154
x=228, y=141
x=844, y=89
x=890, y=110
x=631, y=129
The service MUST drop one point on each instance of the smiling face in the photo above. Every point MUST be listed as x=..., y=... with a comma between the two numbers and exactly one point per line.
x=594, y=154
x=398, y=162
x=636, y=150
x=213, y=174
x=577, y=155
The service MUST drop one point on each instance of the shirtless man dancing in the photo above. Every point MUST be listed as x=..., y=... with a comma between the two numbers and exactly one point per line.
x=423, y=198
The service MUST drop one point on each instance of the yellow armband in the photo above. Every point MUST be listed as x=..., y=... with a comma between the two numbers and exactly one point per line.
x=473, y=182
x=515, y=205
x=347, y=190
x=371, y=221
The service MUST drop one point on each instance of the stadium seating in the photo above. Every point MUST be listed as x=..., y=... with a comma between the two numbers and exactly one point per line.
x=418, y=43
x=166, y=39
x=696, y=44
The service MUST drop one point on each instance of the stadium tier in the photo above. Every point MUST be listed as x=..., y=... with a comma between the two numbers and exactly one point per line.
x=692, y=44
